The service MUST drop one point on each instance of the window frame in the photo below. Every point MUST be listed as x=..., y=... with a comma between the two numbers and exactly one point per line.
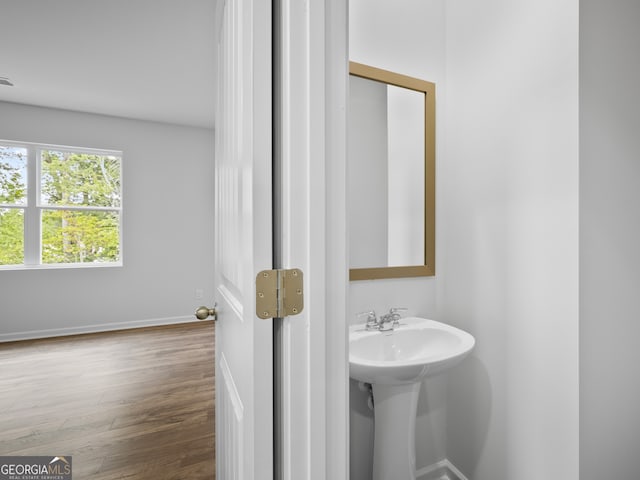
x=33, y=207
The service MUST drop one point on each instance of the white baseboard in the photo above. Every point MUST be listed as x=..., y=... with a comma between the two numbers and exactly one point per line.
x=105, y=327
x=442, y=470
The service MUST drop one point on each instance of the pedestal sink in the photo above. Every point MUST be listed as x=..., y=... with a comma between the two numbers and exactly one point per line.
x=395, y=362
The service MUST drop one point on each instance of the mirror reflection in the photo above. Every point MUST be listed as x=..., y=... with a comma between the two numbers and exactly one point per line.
x=389, y=158
x=386, y=171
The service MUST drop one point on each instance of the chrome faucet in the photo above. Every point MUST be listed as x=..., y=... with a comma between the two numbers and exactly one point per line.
x=386, y=322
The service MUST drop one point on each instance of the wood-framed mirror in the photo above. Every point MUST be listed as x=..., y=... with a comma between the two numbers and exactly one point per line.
x=391, y=174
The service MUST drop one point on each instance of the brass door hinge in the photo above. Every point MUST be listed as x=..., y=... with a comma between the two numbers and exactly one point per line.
x=279, y=293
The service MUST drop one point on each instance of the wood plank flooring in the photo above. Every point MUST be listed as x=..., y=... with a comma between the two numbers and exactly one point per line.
x=135, y=405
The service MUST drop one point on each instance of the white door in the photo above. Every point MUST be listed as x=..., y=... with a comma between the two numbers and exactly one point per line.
x=244, y=372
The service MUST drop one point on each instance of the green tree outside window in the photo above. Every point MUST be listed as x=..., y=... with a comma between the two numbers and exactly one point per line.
x=78, y=201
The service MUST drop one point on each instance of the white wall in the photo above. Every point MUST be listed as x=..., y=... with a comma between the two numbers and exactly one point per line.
x=168, y=229
x=508, y=270
x=609, y=239
x=405, y=36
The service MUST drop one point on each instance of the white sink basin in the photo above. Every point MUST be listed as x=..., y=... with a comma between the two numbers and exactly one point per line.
x=414, y=350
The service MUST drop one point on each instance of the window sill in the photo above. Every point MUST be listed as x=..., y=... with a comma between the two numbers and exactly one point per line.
x=58, y=266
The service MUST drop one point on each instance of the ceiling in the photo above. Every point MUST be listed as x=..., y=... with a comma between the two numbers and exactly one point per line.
x=143, y=59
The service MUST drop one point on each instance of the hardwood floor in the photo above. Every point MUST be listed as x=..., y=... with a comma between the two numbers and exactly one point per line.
x=136, y=404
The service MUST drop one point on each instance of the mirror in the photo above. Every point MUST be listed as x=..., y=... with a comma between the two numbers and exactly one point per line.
x=391, y=172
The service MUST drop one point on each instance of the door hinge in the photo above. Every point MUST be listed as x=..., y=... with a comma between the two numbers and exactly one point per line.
x=279, y=293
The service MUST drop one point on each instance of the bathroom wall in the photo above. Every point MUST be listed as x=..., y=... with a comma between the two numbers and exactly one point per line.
x=508, y=270
x=407, y=37
x=609, y=239
x=167, y=230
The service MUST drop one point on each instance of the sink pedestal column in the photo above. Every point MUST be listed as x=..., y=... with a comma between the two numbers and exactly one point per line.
x=394, y=445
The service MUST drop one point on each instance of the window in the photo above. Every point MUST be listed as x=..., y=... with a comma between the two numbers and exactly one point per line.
x=59, y=206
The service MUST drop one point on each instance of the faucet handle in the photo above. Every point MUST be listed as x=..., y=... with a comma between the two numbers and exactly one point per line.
x=372, y=319
x=395, y=313
x=398, y=309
